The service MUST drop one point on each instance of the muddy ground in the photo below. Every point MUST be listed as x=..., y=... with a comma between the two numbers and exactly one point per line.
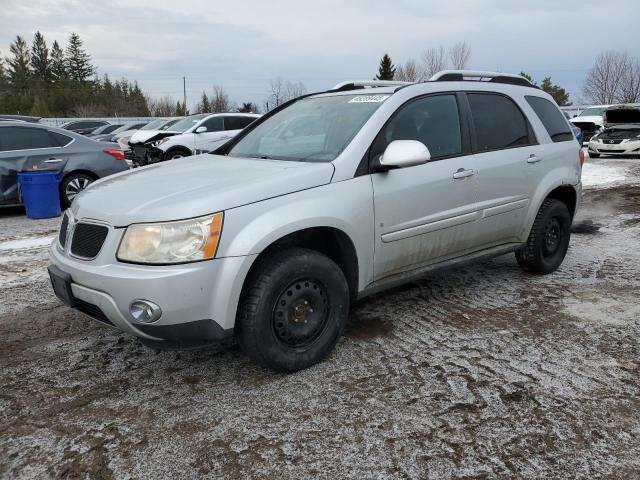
x=481, y=371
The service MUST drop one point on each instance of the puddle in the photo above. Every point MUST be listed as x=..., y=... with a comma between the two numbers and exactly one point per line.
x=367, y=328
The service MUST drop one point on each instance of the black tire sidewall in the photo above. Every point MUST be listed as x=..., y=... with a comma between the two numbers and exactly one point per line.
x=170, y=154
x=269, y=281
x=559, y=211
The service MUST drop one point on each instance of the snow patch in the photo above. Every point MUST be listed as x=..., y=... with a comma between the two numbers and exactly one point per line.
x=26, y=244
x=595, y=175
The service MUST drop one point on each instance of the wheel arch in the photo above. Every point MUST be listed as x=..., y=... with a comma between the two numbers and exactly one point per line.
x=174, y=148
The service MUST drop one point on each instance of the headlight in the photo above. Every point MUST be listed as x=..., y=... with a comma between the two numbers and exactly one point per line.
x=172, y=242
x=161, y=141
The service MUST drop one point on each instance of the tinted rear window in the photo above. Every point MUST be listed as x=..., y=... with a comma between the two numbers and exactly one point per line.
x=552, y=119
x=21, y=138
x=498, y=122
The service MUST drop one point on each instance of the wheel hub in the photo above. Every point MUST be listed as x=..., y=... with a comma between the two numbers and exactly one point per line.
x=301, y=313
x=552, y=236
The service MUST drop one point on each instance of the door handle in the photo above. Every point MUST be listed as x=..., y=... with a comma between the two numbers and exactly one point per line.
x=54, y=160
x=462, y=173
x=533, y=158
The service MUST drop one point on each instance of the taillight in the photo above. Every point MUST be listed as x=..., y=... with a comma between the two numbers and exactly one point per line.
x=115, y=153
x=581, y=157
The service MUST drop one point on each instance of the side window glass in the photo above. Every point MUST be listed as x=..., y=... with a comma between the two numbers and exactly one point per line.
x=553, y=120
x=498, y=122
x=20, y=138
x=59, y=139
x=434, y=121
x=213, y=124
x=236, y=123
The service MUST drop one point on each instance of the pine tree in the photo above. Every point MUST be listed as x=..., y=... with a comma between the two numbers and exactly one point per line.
x=387, y=70
x=78, y=61
x=57, y=62
x=558, y=93
x=40, y=63
x=204, y=106
x=18, y=65
x=248, y=107
x=528, y=77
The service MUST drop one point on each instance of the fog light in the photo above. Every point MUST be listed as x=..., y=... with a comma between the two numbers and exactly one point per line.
x=144, y=311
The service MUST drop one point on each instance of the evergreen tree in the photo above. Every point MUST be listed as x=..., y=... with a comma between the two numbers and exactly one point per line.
x=387, y=70
x=78, y=61
x=248, y=107
x=558, y=93
x=18, y=65
x=204, y=106
x=57, y=63
x=40, y=63
x=528, y=77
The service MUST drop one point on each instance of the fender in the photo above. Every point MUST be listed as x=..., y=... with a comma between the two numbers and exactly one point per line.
x=346, y=206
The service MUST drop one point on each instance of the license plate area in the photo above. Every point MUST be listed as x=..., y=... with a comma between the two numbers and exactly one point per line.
x=61, y=283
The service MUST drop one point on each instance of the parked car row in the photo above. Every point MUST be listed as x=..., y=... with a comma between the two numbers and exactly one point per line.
x=620, y=135
x=34, y=146
x=592, y=122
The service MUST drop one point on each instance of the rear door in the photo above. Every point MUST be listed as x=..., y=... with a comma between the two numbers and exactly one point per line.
x=424, y=213
x=508, y=166
x=26, y=149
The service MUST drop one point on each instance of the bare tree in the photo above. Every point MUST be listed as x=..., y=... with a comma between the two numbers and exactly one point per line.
x=433, y=61
x=459, y=55
x=281, y=92
x=408, y=72
x=162, y=107
x=604, y=80
x=630, y=85
x=219, y=102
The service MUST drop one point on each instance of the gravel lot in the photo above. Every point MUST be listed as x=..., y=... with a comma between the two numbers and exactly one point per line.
x=481, y=371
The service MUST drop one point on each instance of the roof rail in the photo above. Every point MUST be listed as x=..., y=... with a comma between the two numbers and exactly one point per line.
x=480, y=76
x=359, y=84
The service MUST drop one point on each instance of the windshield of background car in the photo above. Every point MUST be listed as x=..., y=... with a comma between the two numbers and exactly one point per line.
x=592, y=112
x=186, y=123
x=310, y=130
x=154, y=125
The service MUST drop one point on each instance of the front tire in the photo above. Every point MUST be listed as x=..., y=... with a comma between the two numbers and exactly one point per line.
x=293, y=309
x=72, y=185
x=177, y=153
x=548, y=240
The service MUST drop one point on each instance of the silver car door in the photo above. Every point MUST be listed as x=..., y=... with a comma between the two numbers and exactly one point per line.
x=425, y=213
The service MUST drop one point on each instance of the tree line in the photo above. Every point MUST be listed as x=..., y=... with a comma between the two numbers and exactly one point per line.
x=614, y=77
x=41, y=81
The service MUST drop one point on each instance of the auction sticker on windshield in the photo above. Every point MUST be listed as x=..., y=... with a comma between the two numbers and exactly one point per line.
x=369, y=99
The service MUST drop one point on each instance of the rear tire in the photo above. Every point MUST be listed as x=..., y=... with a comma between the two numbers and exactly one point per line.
x=72, y=185
x=293, y=309
x=548, y=240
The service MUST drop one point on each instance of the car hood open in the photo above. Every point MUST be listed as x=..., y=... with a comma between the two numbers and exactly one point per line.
x=622, y=116
x=194, y=186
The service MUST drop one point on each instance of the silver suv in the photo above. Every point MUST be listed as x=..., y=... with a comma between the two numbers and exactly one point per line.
x=321, y=202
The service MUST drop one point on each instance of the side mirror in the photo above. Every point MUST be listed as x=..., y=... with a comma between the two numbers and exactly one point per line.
x=201, y=129
x=404, y=153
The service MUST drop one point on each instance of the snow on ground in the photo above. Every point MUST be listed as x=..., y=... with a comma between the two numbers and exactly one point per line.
x=596, y=175
x=26, y=244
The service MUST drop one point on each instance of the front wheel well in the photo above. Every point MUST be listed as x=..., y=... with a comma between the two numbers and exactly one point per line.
x=73, y=172
x=178, y=148
x=329, y=241
x=567, y=195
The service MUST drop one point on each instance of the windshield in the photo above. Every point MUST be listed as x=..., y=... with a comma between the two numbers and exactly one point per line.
x=593, y=112
x=186, y=123
x=155, y=124
x=313, y=129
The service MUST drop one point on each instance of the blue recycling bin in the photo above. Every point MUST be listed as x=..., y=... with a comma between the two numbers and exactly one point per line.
x=40, y=193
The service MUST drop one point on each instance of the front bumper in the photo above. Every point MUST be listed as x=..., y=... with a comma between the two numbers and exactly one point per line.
x=198, y=300
x=621, y=149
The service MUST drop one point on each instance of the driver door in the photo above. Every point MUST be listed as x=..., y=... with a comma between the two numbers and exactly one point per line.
x=425, y=213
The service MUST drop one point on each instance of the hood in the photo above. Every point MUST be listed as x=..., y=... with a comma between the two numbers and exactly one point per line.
x=144, y=136
x=597, y=119
x=622, y=116
x=194, y=186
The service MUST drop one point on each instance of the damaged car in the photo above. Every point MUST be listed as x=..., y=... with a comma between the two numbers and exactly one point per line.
x=136, y=145
x=621, y=134
x=590, y=121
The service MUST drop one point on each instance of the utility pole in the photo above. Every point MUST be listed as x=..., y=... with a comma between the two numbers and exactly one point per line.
x=184, y=94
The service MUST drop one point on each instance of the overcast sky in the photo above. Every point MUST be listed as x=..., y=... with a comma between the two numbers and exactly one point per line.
x=243, y=44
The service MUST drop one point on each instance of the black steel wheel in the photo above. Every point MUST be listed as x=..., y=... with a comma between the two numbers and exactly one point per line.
x=292, y=310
